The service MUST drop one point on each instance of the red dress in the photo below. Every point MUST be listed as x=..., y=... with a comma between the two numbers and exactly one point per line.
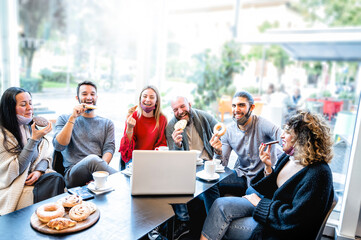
x=145, y=136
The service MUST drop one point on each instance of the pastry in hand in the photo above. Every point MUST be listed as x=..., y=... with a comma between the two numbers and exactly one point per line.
x=40, y=122
x=180, y=125
x=61, y=223
x=219, y=129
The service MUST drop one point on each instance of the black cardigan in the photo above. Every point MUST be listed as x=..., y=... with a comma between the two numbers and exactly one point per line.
x=296, y=209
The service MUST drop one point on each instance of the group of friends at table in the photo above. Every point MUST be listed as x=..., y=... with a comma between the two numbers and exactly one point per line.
x=280, y=191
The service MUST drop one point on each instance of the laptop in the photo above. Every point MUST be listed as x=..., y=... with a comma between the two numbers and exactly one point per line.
x=163, y=172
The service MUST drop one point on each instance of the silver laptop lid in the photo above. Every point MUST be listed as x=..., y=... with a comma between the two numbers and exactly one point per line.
x=163, y=172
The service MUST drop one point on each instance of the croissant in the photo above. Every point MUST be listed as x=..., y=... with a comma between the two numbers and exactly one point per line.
x=61, y=223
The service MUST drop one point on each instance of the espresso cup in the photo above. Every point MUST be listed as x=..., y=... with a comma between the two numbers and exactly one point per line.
x=209, y=168
x=100, y=179
x=162, y=148
x=217, y=162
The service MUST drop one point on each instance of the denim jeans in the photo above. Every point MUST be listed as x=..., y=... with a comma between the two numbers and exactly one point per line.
x=181, y=211
x=232, y=184
x=209, y=197
x=81, y=173
x=231, y=218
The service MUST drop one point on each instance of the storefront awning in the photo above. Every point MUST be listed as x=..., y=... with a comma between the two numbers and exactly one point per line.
x=330, y=44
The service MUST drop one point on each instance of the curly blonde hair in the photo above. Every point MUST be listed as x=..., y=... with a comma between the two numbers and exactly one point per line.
x=312, y=137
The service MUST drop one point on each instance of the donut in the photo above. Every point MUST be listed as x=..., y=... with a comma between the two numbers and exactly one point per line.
x=49, y=211
x=219, y=129
x=180, y=125
x=40, y=121
x=72, y=200
x=79, y=212
x=92, y=207
x=61, y=223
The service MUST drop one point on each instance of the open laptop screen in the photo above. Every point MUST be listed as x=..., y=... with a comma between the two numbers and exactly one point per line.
x=163, y=172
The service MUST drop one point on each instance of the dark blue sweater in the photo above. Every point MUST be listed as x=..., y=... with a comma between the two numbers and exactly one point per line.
x=296, y=209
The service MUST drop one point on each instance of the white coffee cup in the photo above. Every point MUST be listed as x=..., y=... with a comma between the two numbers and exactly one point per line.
x=162, y=148
x=209, y=168
x=100, y=179
x=217, y=162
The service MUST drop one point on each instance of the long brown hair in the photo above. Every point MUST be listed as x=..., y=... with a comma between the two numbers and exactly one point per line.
x=8, y=119
x=157, y=110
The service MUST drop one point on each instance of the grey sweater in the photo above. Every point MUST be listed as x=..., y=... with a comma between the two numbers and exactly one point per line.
x=246, y=143
x=89, y=136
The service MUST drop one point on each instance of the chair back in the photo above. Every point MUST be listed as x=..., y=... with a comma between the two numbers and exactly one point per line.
x=224, y=106
x=258, y=108
x=320, y=232
x=58, y=163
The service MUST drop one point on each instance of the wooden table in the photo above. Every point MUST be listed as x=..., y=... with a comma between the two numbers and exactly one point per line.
x=121, y=215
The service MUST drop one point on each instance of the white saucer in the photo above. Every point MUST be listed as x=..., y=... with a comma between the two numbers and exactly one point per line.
x=107, y=187
x=202, y=175
x=126, y=172
x=220, y=169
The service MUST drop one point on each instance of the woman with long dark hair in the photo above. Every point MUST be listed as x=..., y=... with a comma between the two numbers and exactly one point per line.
x=25, y=155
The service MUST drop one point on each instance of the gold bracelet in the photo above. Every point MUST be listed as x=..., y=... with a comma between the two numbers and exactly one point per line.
x=70, y=122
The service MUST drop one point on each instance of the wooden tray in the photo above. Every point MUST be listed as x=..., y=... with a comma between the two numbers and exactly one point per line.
x=41, y=227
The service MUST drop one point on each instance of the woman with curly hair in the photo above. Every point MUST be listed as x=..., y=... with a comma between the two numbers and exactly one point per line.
x=289, y=201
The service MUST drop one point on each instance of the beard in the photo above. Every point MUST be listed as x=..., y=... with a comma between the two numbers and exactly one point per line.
x=243, y=119
x=186, y=113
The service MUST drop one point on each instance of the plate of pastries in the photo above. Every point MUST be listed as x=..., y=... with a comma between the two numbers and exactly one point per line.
x=68, y=214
